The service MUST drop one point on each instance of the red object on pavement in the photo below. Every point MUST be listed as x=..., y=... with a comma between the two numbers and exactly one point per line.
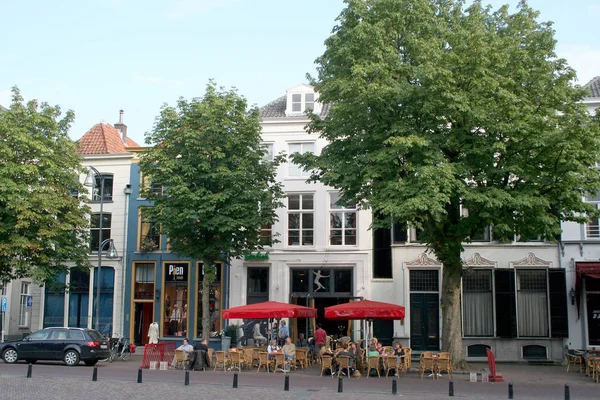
x=269, y=309
x=493, y=376
x=164, y=351
x=365, y=309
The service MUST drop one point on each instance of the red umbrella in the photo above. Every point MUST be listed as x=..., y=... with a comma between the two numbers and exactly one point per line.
x=365, y=309
x=269, y=309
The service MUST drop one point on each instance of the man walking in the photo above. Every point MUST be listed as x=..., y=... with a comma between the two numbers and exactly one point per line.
x=320, y=338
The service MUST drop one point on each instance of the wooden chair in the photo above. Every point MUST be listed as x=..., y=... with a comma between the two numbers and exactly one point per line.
x=408, y=358
x=390, y=364
x=597, y=368
x=263, y=360
x=279, y=362
x=574, y=359
x=249, y=357
x=373, y=363
x=302, y=357
x=236, y=360
x=387, y=350
x=327, y=363
x=221, y=359
x=179, y=359
x=426, y=363
x=343, y=363
x=444, y=364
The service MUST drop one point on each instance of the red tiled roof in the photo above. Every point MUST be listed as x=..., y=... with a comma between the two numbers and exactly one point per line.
x=103, y=138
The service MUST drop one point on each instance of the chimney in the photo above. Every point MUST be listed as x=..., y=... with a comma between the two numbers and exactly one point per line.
x=121, y=127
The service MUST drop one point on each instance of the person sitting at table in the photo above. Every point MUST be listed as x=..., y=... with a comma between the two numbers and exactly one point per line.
x=199, y=357
x=372, y=352
x=355, y=350
x=272, y=349
x=326, y=351
x=187, y=349
x=301, y=342
x=398, y=350
x=380, y=349
x=289, y=352
x=259, y=339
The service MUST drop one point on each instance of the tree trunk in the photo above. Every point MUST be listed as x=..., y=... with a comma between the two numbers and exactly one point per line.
x=451, y=315
x=205, y=307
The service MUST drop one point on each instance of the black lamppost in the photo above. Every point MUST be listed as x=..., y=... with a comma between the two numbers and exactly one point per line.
x=90, y=181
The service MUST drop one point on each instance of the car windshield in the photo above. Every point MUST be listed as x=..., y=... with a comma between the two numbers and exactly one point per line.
x=95, y=335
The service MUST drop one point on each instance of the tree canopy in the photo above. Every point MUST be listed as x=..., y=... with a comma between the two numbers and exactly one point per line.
x=437, y=109
x=219, y=188
x=42, y=226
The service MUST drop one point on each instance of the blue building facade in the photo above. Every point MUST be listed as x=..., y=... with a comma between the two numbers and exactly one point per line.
x=162, y=286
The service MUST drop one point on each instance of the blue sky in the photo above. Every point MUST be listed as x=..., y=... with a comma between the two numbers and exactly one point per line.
x=98, y=56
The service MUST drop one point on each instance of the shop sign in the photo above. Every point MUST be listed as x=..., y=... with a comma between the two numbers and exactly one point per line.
x=176, y=272
x=257, y=256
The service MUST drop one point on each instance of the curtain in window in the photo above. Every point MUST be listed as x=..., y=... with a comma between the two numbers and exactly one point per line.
x=533, y=313
x=478, y=314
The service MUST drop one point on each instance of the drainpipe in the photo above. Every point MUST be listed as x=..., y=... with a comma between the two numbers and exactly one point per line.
x=127, y=192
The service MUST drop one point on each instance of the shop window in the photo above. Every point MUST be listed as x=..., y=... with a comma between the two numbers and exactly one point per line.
x=215, y=298
x=107, y=289
x=342, y=280
x=54, y=302
x=144, y=281
x=175, y=299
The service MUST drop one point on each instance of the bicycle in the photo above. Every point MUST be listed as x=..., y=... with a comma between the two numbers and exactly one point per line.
x=113, y=347
x=122, y=350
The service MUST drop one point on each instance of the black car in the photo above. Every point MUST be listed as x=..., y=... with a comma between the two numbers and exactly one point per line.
x=70, y=345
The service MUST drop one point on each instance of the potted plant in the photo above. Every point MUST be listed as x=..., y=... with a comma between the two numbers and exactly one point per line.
x=147, y=245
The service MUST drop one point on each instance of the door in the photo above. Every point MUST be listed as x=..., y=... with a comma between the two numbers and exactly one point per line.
x=424, y=322
x=593, y=318
x=143, y=319
x=35, y=346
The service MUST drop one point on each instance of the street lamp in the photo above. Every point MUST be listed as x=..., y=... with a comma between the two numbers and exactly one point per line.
x=90, y=181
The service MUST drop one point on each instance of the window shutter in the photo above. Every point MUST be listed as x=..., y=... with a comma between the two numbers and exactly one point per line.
x=559, y=324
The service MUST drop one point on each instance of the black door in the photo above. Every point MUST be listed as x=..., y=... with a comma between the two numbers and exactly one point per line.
x=593, y=318
x=424, y=322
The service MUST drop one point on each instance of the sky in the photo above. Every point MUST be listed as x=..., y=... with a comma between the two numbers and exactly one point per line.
x=99, y=56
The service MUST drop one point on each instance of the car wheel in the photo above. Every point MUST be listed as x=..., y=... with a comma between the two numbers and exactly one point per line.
x=10, y=356
x=91, y=363
x=30, y=361
x=71, y=358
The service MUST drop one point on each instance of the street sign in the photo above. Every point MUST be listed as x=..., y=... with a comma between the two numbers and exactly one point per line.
x=29, y=302
x=4, y=304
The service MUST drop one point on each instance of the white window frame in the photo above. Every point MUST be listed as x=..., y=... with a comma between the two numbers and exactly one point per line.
x=23, y=313
x=294, y=170
x=301, y=212
x=343, y=210
x=292, y=101
x=269, y=151
x=592, y=230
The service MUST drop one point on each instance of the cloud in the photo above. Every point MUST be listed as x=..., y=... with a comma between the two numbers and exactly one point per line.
x=583, y=58
x=186, y=8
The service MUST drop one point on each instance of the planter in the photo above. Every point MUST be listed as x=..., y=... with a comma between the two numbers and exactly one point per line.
x=225, y=343
x=215, y=344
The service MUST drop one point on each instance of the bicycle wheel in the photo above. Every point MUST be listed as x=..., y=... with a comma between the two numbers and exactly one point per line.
x=114, y=353
x=126, y=355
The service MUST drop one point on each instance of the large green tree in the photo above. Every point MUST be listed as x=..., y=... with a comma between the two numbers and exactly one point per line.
x=220, y=189
x=438, y=108
x=42, y=226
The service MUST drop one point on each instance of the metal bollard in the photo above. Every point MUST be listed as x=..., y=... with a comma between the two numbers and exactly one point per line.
x=187, y=378
x=235, y=382
x=286, y=383
x=451, y=388
x=510, y=391
x=567, y=392
x=95, y=374
x=139, y=375
x=29, y=370
x=340, y=385
x=394, y=387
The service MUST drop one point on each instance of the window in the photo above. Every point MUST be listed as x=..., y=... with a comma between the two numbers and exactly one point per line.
x=309, y=101
x=400, y=232
x=54, y=302
x=483, y=235
x=149, y=234
x=300, y=220
x=342, y=222
x=107, y=189
x=297, y=102
x=144, y=281
x=266, y=235
x=2, y=289
x=107, y=289
x=147, y=185
x=532, y=302
x=258, y=285
x=424, y=280
x=214, y=301
x=478, y=308
x=95, y=239
x=23, y=312
x=176, y=298
x=40, y=335
x=268, y=148
x=294, y=169
x=79, y=294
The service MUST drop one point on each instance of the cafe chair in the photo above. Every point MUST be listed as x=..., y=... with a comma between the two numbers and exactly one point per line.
x=426, y=363
x=263, y=361
x=373, y=363
x=221, y=359
x=575, y=360
x=343, y=363
x=444, y=363
x=327, y=363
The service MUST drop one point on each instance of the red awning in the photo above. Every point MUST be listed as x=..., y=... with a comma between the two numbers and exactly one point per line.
x=365, y=309
x=587, y=268
x=270, y=309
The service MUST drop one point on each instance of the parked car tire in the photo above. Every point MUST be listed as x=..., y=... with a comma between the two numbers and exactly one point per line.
x=90, y=363
x=30, y=361
x=10, y=356
x=71, y=358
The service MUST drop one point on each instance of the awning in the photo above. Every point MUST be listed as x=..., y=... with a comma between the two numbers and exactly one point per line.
x=589, y=269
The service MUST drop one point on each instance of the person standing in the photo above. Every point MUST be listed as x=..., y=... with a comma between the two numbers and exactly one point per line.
x=284, y=332
x=153, y=333
x=320, y=338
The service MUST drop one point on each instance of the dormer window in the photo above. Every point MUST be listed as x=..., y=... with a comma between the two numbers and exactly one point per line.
x=300, y=99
